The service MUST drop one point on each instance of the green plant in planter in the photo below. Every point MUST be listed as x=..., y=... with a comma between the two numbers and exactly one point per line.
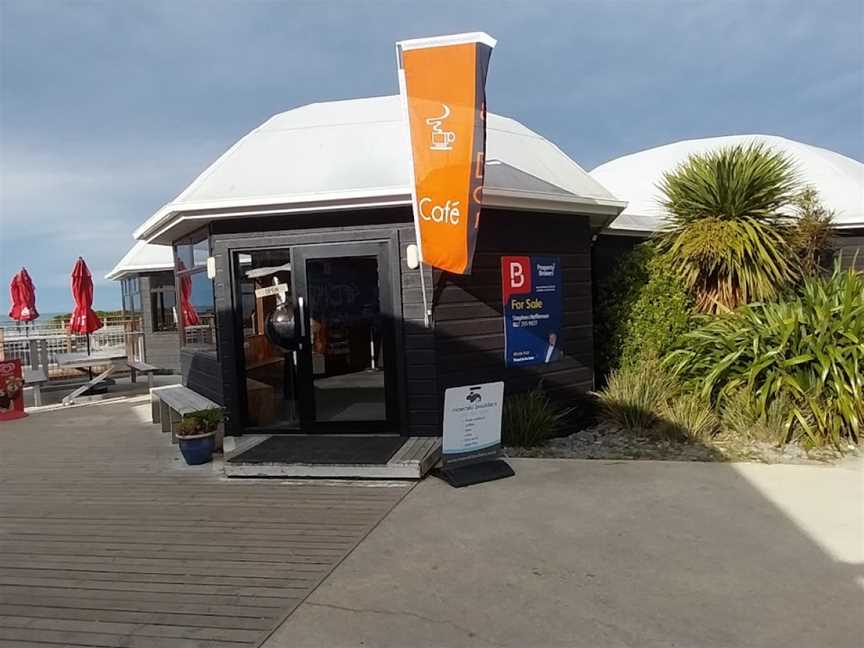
x=532, y=418
x=197, y=436
x=198, y=423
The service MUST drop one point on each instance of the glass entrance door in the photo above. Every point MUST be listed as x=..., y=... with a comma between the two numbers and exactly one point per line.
x=343, y=295
x=264, y=295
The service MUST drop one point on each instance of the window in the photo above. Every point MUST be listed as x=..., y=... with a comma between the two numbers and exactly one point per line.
x=130, y=289
x=196, y=314
x=163, y=302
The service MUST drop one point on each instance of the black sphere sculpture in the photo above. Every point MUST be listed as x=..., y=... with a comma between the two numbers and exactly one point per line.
x=281, y=328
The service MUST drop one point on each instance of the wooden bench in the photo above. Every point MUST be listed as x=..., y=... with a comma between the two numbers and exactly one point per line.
x=169, y=404
x=136, y=367
x=35, y=378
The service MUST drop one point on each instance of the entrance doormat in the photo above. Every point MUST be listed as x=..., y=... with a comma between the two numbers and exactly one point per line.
x=322, y=450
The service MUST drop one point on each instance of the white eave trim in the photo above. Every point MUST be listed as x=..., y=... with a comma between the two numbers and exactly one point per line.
x=158, y=231
x=647, y=224
x=494, y=197
x=120, y=273
x=452, y=39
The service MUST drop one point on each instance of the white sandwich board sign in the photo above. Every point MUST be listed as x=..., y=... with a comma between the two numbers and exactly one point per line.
x=472, y=423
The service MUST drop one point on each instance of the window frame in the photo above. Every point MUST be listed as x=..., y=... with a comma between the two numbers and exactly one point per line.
x=192, y=242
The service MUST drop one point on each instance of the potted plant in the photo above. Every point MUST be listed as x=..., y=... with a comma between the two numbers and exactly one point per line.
x=196, y=434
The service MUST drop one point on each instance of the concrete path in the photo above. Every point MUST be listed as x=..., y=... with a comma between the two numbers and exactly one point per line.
x=108, y=539
x=605, y=554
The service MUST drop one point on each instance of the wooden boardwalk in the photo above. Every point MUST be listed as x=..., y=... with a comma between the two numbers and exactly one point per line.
x=107, y=539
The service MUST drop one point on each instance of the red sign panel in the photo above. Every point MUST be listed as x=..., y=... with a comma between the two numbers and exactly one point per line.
x=515, y=275
x=11, y=390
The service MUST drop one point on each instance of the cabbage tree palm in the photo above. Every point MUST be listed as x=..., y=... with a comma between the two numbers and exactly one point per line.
x=726, y=232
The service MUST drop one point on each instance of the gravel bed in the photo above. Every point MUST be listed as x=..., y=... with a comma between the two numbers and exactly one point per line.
x=605, y=441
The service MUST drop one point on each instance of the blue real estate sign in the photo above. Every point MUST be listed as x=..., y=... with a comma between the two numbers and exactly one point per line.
x=532, y=309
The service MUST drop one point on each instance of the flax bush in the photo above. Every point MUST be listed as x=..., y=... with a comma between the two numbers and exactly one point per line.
x=805, y=353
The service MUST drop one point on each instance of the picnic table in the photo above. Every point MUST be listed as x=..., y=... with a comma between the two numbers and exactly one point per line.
x=111, y=357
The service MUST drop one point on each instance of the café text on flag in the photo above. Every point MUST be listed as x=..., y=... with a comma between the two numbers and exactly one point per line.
x=442, y=81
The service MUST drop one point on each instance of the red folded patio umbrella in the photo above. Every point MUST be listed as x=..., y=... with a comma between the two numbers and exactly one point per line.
x=84, y=320
x=187, y=310
x=23, y=295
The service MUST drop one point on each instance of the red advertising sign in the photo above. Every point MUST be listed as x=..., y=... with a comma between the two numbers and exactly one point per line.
x=11, y=390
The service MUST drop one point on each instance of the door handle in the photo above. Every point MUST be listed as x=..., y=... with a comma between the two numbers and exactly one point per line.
x=301, y=312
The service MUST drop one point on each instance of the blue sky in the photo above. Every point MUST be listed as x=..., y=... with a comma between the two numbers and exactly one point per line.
x=109, y=109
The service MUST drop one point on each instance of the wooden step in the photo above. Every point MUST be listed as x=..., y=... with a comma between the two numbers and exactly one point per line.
x=412, y=461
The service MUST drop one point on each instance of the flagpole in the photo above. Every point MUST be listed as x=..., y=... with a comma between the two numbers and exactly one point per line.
x=403, y=98
x=423, y=290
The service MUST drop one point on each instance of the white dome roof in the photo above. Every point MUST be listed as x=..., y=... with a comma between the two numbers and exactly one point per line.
x=143, y=257
x=349, y=154
x=635, y=178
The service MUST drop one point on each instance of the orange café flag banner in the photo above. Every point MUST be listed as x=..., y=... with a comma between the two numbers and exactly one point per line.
x=442, y=81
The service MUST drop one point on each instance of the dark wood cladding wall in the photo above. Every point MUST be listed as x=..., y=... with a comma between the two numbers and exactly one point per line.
x=607, y=251
x=469, y=326
x=850, y=249
x=421, y=386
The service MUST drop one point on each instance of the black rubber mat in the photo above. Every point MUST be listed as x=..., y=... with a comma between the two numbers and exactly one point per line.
x=322, y=450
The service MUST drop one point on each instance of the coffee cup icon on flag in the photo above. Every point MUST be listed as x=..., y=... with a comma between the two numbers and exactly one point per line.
x=442, y=81
x=441, y=139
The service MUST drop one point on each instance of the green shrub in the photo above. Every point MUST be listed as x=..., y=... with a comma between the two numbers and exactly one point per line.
x=740, y=416
x=636, y=394
x=810, y=232
x=807, y=349
x=689, y=417
x=532, y=418
x=641, y=311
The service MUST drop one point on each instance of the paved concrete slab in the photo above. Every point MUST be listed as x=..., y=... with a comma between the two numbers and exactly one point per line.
x=603, y=554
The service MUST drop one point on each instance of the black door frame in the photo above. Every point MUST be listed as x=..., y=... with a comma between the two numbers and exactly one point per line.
x=300, y=255
x=229, y=317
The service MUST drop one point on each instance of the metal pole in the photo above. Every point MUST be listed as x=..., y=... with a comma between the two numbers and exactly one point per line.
x=89, y=368
x=426, y=311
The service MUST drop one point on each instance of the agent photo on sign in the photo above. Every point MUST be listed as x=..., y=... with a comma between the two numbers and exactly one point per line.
x=553, y=353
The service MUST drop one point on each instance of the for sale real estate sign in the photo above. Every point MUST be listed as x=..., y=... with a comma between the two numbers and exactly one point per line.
x=532, y=310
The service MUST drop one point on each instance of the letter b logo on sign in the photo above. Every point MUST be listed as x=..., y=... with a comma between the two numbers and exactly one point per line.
x=515, y=275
